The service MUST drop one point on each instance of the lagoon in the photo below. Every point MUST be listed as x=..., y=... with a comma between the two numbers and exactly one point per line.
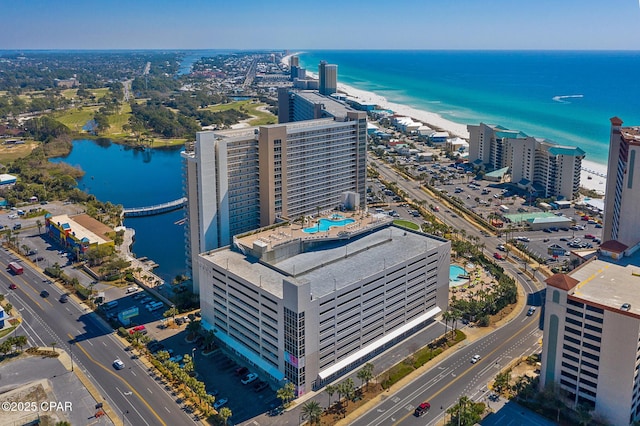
x=134, y=178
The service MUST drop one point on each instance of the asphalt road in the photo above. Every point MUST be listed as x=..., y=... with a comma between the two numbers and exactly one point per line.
x=456, y=376
x=131, y=392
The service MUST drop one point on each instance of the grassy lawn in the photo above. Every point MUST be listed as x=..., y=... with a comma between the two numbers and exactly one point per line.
x=116, y=121
x=13, y=152
x=407, y=224
x=76, y=118
x=98, y=93
x=250, y=108
x=69, y=93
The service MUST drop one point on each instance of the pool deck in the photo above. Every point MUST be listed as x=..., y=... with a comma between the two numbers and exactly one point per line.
x=294, y=231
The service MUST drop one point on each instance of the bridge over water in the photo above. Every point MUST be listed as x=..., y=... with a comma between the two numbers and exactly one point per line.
x=156, y=209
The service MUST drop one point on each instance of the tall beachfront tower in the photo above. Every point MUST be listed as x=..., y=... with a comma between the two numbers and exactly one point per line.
x=240, y=180
x=621, y=212
x=328, y=76
x=591, y=338
x=307, y=310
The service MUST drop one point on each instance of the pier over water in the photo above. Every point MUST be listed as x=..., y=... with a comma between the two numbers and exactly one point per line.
x=156, y=209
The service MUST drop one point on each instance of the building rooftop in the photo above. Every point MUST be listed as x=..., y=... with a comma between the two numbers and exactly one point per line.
x=330, y=265
x=631, y=134
x=609, y=283
x=83, y=226
x=332, y=106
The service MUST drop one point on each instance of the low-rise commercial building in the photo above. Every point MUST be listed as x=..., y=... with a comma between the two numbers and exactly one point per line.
x=78, y=233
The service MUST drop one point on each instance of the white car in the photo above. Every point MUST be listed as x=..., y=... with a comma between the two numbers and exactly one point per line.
x=249, y=378
x=220, y=402
x=475, y=359
x=118, y=365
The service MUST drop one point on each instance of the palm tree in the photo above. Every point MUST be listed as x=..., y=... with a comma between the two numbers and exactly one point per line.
x=194, y=327
x=286, y=393
x=20, y=341
x=446, y=316
x=347, y=389
x=366, y=374
x=225, y=413
x=330, y=390
x=313, y=411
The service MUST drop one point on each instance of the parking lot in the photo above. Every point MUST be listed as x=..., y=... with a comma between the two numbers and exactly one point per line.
x=219, y=374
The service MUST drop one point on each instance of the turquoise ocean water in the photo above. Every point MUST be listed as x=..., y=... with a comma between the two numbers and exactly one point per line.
x=564, y=96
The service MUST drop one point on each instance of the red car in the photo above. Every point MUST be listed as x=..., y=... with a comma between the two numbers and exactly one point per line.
x=498, y=256
x=139, y=328
x=422, y=409
x=12, y=286
x=590, y=236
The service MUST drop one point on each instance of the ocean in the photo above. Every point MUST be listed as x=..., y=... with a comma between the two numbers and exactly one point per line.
x=564, y=96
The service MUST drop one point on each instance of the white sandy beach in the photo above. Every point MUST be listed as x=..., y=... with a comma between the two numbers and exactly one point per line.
x=596, y=171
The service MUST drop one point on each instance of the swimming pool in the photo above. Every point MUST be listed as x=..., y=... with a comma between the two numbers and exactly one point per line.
x=325, y=224
x=454, y=272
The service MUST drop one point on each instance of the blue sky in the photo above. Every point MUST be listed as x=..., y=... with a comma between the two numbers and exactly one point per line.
x=325, y=24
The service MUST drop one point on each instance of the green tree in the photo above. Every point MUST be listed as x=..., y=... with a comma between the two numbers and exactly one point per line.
x=501, y=382
x=330, y=390
x=312, y=411
x=347, y=389
x=225, y=413
x=5, y=347
x=8, y=307
x=162, y=356
x=171, y=312
x=366, y=374
x=20, y=341
x=286, y=393
x=194, y=327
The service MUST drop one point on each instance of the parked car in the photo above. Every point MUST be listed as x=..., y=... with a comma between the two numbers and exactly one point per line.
x=276, y=411
x=220, y=403
x=249, y=378
x=242, y=371
x=260, y=386
x=590, y=236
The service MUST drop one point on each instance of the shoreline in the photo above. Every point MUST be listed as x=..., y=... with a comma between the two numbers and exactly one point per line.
x=596, y=171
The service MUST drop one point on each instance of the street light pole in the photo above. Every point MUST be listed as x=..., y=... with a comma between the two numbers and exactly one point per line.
x=193, y=357
x=71, y=354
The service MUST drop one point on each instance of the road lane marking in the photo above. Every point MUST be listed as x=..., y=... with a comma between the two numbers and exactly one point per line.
x=149, y=390
x=167, y=409
x=460, y=376
x=144, y=401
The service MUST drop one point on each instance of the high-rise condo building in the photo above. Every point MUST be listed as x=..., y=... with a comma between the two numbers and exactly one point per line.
x=308, y=308
x=535, y=164
x=300, y=105
x=240, y=180
x=591, y=343
x=621, y=212
x=328, y=76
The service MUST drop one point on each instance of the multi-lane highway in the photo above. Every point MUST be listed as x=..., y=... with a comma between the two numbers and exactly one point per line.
x=456, y=376
x=131, y=392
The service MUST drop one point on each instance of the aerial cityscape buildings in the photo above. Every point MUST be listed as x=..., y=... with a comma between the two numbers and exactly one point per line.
x=543, y=167
x=622, y=215
x=240, y=180
x=592, y=314
x=328, y=77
